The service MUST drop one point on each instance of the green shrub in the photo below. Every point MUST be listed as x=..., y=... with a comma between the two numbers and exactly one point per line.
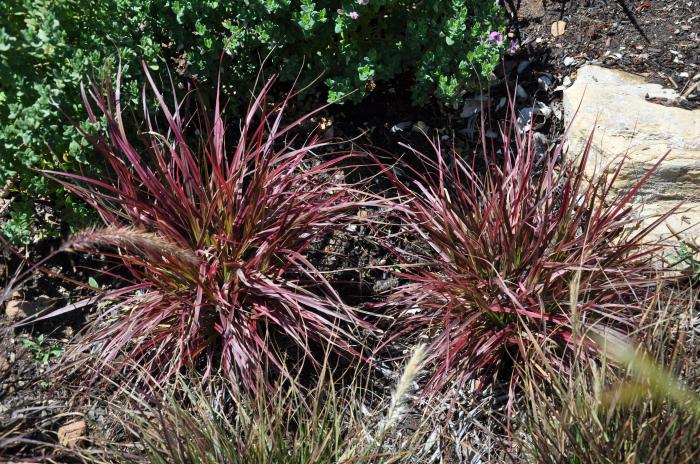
x=355, y=43
x=46, y=49
x=48, y=46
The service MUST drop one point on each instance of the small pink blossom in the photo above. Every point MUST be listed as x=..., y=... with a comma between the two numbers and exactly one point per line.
x=496, y=36
x=354, y=14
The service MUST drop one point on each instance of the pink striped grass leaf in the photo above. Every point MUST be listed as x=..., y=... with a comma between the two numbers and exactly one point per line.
x=214, y=229
x=505, y=235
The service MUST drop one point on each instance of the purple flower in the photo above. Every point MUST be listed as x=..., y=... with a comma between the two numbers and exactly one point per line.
x=496, y=36
x=362, y=2
x=353, y=15
x=513, y=46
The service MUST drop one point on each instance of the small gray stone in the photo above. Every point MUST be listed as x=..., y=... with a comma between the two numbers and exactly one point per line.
x=545, y=82
x=523, y=65
x=384, y=285
x=533, y=117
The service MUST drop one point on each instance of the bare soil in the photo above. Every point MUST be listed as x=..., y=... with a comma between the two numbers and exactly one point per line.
x=33, y=405
x=663, y=45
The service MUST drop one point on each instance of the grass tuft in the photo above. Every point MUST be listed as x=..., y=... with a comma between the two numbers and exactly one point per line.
x=187, y=420
x=504, y=234
x=214, y=228
x=635, y=403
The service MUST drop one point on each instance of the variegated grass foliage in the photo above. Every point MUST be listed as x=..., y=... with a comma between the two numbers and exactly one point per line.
x=214, y=227
x=522, y=270
x=505, y=232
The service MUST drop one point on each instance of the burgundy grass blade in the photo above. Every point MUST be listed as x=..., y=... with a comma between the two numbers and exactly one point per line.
x=502, y=244
x=215, y=234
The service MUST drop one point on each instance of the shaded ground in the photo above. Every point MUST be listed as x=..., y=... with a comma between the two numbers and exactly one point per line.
x=596, y=31
x=34, y=404
x=600, y=32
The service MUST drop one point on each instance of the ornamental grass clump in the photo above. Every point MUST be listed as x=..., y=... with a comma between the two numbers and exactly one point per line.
x=214, y=234
x=501, y=237
x=181, y=422
x=637, y=403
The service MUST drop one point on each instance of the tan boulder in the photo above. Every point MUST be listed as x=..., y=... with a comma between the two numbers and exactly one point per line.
x=630, y=122
x=71, y=434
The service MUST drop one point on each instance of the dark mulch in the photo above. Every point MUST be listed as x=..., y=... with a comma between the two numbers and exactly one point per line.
x=34, y=402
x=663, y=46
x=598, y=31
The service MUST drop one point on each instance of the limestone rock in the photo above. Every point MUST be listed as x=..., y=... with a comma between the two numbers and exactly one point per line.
x=558, y=28
x=629, y=122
